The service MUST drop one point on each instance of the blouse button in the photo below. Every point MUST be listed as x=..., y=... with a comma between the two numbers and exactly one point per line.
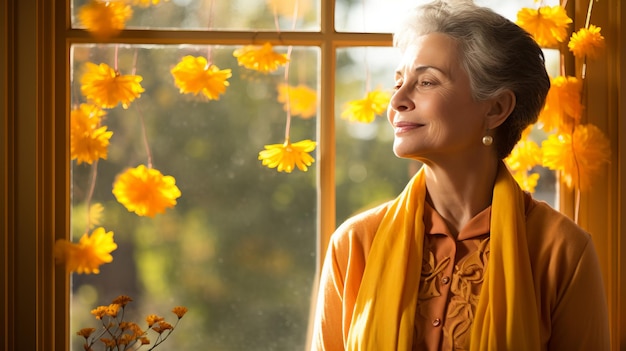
x=445, y=280
x=436, y=322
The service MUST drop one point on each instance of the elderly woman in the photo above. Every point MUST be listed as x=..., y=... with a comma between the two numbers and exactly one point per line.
x=462, y=259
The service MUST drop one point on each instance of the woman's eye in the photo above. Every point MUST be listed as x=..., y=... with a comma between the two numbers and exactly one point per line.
x=426, y=83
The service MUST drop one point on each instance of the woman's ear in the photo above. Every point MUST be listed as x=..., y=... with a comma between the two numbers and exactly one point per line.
x=501, y=108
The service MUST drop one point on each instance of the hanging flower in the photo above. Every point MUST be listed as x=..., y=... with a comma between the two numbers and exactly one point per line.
x=578, y=155
x=527, y=181
x=563, y=108
x=193, y=75
x=547, y=24
x=106, y=87
x=145, y=3
x=145, y=191
x=287, y=155
x=88, y=254
x=587, y=42
x=104, y=19
x=525, y=155
x=88, y=141
x=366, y=109
x=260, y=58
x=302, y=99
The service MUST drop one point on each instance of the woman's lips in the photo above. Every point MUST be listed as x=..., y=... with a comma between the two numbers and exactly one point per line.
x=403, y=127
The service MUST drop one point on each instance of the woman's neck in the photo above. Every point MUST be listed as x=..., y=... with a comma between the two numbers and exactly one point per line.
x=460, y=192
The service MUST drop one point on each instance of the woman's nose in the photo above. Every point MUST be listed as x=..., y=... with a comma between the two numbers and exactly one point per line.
x=401, y=102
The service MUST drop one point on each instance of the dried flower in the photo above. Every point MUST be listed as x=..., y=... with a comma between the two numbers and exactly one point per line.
x=88, y=254
x=100, y=311
x=145, y=191
x=301, y=100
x=260, y=58
x=547, y=24
x=366, y=109
x=122, y=300
x=179, y=311
x=106, y=87
x=587, y=42
x=153, y=319
x=285, y=156
x=104, y=19
x=195, y=75
x=86, y=332
x=563, y=108
x=162, y=326
x=578, y=155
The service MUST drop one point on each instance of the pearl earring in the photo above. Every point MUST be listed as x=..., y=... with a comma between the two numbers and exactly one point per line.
x=487, y=140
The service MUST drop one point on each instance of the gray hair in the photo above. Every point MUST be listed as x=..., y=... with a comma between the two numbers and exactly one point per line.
x=497, y=55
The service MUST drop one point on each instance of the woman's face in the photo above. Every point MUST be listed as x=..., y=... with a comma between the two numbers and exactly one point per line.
x=432, y=111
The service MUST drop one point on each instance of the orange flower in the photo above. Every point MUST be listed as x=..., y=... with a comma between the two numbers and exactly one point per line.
x=145, y=191
x=86, y=332
x=88, y=141
x=153, y=319
x=107, y=87
x=587, y=42
x=578, y=156
x=104, y=19
x=527, y=181
x=366, y=109
x=122, y=300
x=88, y=254
x=162, y=326
x=99, y=312
x=301, y=100
x=563, y=107
x=260, y=58
x=524, y=156
x=548, y=24
x=195, y=75
x=285, y=156
x=179, y=311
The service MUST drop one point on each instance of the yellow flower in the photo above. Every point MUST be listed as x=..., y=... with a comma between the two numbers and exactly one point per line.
x=107, y=87
x=260, y=58
x=302, y=99
x=88, y=254
x=578, y=156
x=99, y=312
x=524, y=156
x=548, y=24
x=179, y=311
x=563, y=106
x=88, y=141
x=366, y=109
x=122, y=300
x=145, y=191
x=145, y=3
x=195, y=75
x=287, y=155
x=112, y=310
x=587, y=42
x=104, y=19
x=526, y=181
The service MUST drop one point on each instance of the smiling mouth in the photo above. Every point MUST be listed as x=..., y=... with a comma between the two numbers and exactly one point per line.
x=402, y=127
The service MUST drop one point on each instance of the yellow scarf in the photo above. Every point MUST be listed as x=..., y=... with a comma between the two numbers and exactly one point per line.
x=506, y=315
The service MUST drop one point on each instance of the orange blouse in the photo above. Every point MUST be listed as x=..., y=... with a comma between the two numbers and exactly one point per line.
x=568, y=284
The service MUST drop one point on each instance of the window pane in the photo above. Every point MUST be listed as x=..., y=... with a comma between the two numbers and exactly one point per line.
x=375, y=16
x=219, y=15
x=239, y=247
x=367, y=172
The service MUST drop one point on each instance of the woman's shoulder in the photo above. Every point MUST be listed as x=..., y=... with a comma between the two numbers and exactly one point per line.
x=360, y=229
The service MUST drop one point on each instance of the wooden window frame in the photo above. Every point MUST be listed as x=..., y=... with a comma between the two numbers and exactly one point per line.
x=35, y=37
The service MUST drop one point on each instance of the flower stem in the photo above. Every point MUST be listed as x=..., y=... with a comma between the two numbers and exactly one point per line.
x=92, y=187
x=144, y=135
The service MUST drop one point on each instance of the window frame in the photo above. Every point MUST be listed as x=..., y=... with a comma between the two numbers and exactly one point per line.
x=34, y=152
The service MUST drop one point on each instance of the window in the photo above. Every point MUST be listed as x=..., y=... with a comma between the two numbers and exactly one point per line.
x=37, y=175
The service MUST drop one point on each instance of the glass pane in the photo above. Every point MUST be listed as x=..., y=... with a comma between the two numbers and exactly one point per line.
x=263, y=15
x=376, y=16
x=239, y=247
x=367, y=173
